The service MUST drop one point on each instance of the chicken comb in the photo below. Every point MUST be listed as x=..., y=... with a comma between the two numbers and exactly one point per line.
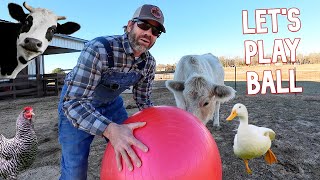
x=28, y=108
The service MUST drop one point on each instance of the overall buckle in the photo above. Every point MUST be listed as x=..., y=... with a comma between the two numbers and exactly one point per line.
x=114, y=86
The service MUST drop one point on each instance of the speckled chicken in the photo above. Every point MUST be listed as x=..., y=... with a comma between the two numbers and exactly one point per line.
x=19, y=152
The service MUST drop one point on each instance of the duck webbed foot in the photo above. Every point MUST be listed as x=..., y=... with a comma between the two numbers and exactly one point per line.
x=270, y=158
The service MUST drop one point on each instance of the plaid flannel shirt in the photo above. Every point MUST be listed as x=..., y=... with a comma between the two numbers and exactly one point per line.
x=86, y=75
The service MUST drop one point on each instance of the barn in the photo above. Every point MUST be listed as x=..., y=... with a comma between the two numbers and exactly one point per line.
x=32, y=80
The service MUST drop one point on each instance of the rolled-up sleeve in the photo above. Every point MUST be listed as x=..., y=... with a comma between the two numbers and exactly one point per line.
x=77, y=102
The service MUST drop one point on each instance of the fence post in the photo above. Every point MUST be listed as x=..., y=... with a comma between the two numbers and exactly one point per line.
x=295, y=78
x=14, y=89
x=39, y=85
x=235, y=77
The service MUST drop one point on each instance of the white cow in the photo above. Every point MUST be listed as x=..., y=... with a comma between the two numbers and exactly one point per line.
x=198, y=86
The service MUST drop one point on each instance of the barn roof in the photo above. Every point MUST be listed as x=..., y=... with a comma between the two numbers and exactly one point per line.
x=1, y=20
x=64, y=44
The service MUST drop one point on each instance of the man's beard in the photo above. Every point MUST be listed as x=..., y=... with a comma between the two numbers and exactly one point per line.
x=136, y=46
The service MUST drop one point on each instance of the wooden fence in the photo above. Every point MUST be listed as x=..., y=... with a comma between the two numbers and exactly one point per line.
x=31, y=85
x=42, y=85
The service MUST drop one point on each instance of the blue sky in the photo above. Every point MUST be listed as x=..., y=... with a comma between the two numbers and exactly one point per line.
x=193, y=27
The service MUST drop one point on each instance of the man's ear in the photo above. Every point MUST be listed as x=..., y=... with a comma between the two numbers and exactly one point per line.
x=130, y=26
x=16, y=12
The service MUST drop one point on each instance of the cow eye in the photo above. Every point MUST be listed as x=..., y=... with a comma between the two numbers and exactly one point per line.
x=50, y=32
x=26, y=25
x=52, y=29
x=205, y=104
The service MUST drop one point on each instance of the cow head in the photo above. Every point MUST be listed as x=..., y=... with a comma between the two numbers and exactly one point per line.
x=200, y=95
x=37, y=29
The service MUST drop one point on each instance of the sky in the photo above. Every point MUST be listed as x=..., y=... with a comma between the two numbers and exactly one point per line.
x=193, y=27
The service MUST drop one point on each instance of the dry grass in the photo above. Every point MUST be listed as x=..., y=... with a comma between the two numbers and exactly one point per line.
x=294, y=118
x=305, y=72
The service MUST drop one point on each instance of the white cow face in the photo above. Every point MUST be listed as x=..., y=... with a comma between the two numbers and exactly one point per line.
x=37, y=30
x=200, y=103
x=199, y=97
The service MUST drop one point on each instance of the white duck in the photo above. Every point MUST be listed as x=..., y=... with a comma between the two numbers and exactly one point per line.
x=251, y=141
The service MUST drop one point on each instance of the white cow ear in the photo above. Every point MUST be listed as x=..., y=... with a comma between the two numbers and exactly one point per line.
x=175, y=85
x=223, y=93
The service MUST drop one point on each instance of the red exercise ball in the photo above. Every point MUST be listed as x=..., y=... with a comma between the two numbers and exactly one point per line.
x=180, y=148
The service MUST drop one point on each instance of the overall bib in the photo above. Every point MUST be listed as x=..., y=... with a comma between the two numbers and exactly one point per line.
x=76, y=143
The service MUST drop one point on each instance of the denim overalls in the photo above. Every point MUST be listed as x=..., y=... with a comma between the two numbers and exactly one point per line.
x=107, y=101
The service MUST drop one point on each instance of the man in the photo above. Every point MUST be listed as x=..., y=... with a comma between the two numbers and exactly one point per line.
x=90, y=103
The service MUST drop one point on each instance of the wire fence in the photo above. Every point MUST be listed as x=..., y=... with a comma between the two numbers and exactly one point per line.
x=301, y=73
x=306, y=72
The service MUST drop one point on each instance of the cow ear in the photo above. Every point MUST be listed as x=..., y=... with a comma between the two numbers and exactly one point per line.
x=175, y=85
x=223, y=93
x=16, y=12
x=68, y=28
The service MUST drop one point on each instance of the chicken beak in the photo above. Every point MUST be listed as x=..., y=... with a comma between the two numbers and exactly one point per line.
x=232, y=115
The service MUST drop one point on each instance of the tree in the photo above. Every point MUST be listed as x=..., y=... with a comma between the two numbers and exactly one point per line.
x=58, y=71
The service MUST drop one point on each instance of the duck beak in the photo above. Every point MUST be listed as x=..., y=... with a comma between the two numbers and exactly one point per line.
x=232, y=115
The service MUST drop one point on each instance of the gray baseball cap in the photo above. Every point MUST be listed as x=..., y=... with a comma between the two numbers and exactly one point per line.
x=150, y=12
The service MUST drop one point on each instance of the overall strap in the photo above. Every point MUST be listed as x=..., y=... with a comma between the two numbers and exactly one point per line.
x=141, y=65
x=108, y=48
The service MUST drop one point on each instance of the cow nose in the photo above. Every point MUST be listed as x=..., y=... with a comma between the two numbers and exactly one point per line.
x=32, y=44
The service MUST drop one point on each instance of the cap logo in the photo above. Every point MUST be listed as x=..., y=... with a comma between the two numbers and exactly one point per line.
x=156, y=12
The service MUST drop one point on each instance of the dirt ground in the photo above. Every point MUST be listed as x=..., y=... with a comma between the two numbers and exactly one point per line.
x=294, y=118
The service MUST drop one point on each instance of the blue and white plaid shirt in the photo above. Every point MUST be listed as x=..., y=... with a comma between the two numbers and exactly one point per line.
x=86, y=75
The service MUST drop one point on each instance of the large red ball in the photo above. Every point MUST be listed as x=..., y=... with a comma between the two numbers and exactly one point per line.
x=180, y=148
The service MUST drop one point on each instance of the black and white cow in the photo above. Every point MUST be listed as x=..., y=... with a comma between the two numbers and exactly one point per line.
x=30, y=37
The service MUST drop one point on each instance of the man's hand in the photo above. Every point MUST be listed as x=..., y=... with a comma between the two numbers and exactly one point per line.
x=121, y=138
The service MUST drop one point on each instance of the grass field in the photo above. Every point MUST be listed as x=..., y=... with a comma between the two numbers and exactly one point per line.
x=306, y=72
x=307, y=76
x=294, y=118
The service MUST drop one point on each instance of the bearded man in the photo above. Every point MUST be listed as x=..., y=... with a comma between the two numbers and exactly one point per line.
x=90, y=102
